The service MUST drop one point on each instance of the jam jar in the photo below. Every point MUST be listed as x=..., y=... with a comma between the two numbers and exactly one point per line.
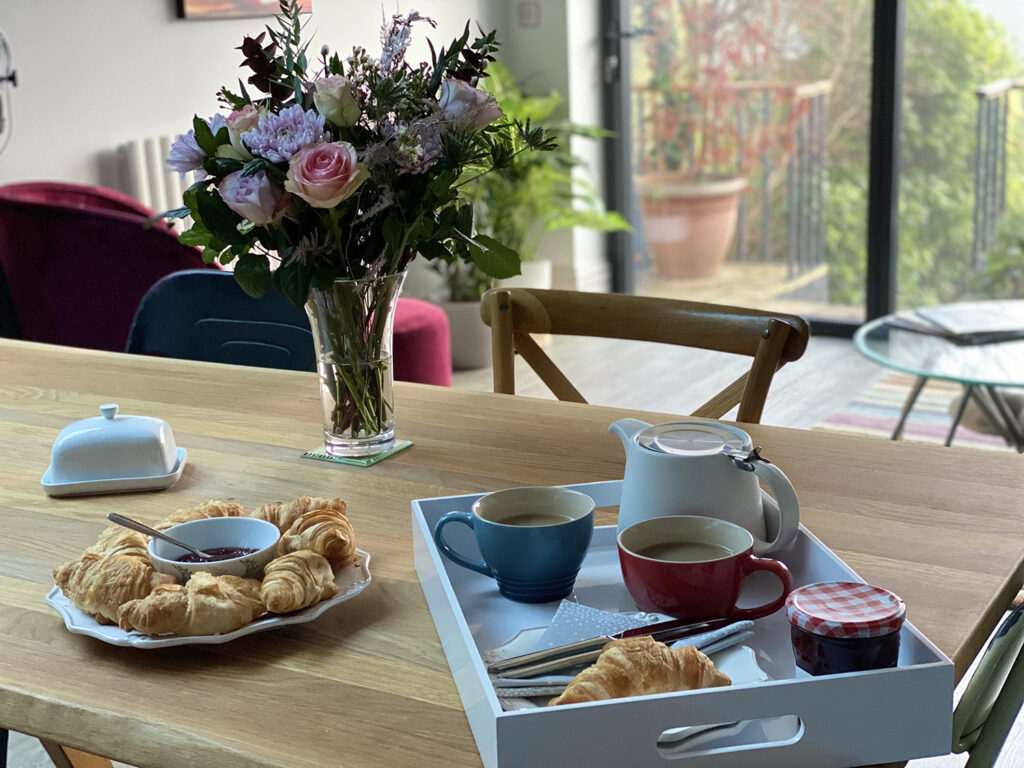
x=844, y=626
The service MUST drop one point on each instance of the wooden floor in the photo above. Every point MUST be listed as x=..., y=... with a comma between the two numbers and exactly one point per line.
x=675, y=380
x=768, y=286
x=660, y=377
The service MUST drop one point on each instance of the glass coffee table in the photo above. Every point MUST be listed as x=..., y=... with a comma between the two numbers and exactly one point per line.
x=984, y=370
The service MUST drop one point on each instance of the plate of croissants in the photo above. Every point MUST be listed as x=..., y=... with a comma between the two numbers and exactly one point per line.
x=112, y=591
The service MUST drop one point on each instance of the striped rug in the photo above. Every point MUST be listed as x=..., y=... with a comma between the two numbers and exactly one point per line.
x=876, y=411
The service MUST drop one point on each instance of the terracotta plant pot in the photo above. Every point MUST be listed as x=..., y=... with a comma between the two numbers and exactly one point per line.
x=689, y=225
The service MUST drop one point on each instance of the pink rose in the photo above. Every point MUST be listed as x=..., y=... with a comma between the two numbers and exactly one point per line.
x=465, y=105
x=335, y=100
x=240, y=121
x=254, y=197
x=325, y=174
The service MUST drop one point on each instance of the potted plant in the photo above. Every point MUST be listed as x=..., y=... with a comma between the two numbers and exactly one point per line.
x=695, y=153
x=516, y=205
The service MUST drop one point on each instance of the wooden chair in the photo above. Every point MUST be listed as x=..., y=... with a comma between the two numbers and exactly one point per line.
x=771, y=339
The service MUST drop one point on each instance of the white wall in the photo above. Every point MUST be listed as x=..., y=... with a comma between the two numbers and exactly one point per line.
x=93, y=74
x=563, y=54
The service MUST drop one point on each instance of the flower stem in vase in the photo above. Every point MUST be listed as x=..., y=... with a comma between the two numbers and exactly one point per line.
x=352, y=327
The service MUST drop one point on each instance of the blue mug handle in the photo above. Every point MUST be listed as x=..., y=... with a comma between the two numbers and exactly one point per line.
x=467, y=519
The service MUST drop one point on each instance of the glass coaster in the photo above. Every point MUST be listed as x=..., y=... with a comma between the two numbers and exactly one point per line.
x=320, y=454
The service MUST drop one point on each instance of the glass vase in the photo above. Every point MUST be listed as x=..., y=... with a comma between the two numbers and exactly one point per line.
x=352, y=330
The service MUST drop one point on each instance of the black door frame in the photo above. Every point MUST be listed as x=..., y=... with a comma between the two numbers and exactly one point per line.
x=883, y=164
x=618, y=165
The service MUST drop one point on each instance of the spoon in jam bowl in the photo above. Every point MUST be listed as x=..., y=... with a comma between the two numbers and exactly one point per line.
x=135, y=525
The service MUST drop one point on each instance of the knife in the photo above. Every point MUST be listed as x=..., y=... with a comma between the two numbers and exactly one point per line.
x=586, y=651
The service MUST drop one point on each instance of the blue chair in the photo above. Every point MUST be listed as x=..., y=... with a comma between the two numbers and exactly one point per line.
x=203, y=314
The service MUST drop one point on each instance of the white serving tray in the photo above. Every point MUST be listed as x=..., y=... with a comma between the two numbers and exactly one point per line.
x=858, y=718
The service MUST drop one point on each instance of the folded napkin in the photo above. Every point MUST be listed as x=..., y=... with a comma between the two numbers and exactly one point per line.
x=573, y=622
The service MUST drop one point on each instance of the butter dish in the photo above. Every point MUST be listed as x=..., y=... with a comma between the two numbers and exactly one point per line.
x=113, y=454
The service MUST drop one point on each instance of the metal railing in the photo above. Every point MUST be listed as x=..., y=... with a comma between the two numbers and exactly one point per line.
x=771, y=132
x=990, y=163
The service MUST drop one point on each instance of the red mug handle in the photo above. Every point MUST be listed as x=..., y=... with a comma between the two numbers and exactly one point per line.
x=750, y=564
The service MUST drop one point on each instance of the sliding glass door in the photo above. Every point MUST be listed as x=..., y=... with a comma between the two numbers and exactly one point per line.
x=780, y=153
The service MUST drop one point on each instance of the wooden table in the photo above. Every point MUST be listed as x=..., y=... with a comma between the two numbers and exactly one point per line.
x=367, y=683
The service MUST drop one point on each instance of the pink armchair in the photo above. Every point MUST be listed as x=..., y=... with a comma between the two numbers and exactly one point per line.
x=77, y=260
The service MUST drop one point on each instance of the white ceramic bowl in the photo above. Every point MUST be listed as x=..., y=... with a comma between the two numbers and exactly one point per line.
x=216, y=533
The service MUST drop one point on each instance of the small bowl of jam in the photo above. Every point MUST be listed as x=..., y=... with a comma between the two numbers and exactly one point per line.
x=844, y=626
x=240, y=546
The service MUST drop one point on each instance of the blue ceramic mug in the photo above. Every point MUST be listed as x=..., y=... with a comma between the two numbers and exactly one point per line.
x=533, y=540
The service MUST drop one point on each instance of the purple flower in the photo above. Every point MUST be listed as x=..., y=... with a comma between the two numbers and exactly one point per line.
x=254, y=197
x=465, y=105
x=185, y=154
x=278, y=137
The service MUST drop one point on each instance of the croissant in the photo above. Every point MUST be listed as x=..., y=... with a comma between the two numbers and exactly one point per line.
x=325, y=531
x=118, y=540
x=297, y=580
x=209, y=508
x=205, y=605
x=101, y=584
x=635, y=666
x=284, y=515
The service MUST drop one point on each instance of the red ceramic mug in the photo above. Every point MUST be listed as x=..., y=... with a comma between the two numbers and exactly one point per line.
x=693, y=567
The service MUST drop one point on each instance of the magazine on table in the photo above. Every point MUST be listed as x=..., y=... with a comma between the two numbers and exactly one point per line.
x=970, y=322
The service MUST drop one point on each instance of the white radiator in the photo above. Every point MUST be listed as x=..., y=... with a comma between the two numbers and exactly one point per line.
x=146, y=177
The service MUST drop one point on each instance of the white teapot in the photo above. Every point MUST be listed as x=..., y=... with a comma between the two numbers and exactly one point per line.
x=704, y=468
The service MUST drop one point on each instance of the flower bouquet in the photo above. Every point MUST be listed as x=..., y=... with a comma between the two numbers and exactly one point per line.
x=328, y=176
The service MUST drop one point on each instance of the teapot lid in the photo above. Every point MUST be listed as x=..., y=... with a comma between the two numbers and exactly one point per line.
x=693, y=438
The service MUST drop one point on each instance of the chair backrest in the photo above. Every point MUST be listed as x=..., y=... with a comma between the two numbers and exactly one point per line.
x=201, y=314
x=992, y=699
x=771, y=339
x=77, y=260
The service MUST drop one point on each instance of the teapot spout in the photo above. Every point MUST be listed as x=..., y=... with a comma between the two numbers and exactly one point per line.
x=626, y=429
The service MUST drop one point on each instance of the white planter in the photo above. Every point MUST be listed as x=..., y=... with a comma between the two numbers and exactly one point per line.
x=533, y=274
x=471, y=338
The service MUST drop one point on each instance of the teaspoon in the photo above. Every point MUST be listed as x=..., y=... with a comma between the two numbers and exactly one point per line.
x=135, y=525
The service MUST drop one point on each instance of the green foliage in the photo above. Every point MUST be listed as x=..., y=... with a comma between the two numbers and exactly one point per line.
x=528, y=194
x=950, y=50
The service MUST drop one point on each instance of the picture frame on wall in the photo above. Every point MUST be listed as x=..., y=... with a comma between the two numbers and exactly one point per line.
x=233, y=9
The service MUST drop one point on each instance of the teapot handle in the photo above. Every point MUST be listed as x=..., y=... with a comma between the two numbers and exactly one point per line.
x=785, y=500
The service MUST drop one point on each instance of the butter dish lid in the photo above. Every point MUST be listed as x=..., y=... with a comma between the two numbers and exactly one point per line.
x=111, y=453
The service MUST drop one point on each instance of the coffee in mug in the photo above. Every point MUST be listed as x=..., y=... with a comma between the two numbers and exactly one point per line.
x=532, y=540
x=685, y=552
x=693, y=567
x=536, y=518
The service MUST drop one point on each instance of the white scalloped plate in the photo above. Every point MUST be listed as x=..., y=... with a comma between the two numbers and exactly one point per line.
x=350, y=580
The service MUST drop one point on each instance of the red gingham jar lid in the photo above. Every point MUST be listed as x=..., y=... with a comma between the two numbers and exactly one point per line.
x=845, y=609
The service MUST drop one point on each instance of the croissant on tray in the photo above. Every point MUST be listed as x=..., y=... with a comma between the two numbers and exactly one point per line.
x=101, y=584
x=205, y=605
x=209, y=508
x=324, y=531
x=297, y=580
x=284, y=515
x=636, y=666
